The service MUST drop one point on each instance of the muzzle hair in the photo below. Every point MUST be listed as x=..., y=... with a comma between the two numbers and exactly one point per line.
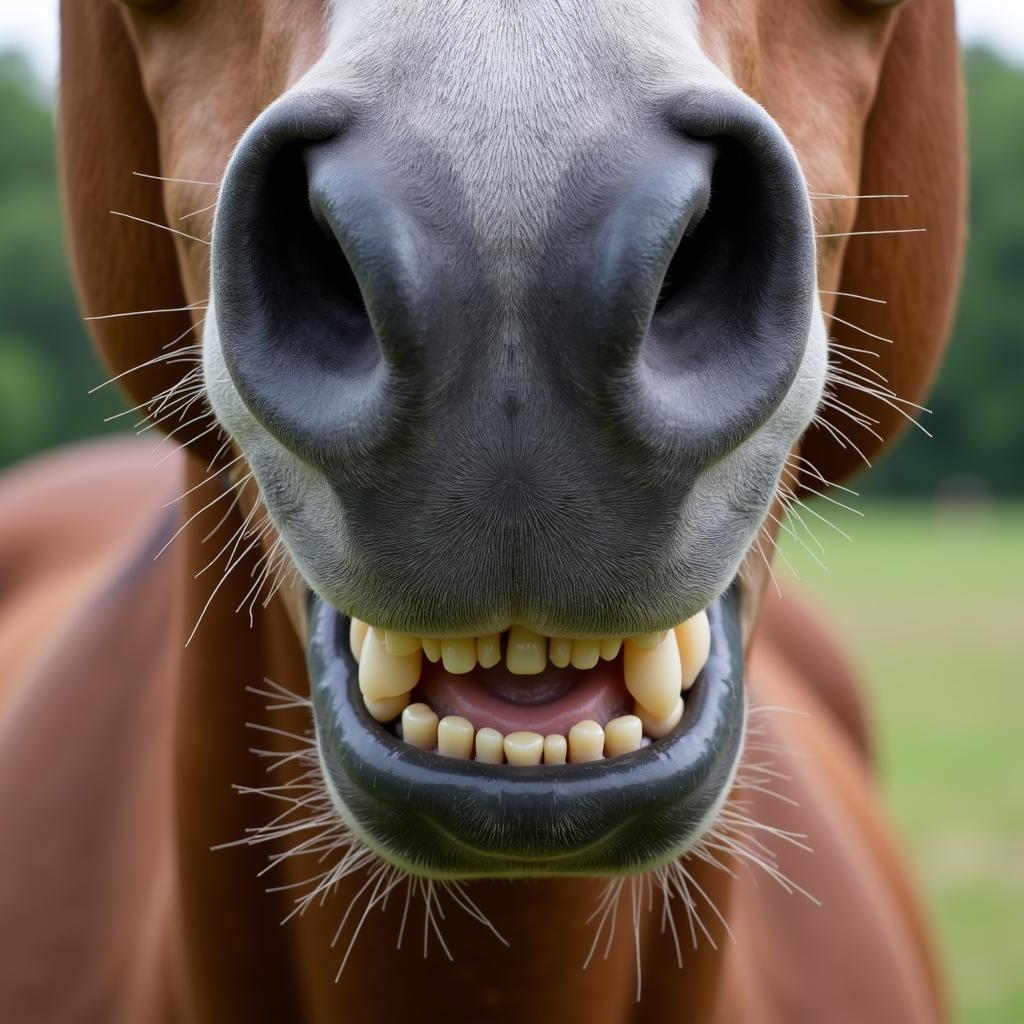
x=311, y=824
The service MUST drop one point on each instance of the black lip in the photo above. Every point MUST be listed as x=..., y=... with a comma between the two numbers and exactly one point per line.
x=449, y=818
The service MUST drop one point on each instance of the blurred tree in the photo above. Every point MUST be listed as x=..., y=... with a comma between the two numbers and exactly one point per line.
x=47, y=367
x=978, y=404
x=46, y=364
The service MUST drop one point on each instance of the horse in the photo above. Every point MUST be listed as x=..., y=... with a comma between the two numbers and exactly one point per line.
x=432, y=668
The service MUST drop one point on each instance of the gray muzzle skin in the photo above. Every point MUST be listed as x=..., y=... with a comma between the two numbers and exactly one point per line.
x=515, y=433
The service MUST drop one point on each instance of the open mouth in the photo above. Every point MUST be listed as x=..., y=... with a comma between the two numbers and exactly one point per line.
x=516, y=754
x=524, y=698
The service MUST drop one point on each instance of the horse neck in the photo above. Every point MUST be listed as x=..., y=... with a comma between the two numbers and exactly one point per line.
x=240, y=963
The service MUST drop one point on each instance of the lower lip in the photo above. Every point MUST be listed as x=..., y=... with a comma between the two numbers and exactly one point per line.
x=614, y=816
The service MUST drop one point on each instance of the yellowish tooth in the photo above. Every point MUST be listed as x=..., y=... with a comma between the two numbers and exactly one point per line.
x=431, y=648
x=585, y=653
x=382, y=674
x=610, y=646
x=622, y=735
x=527, y=652
x=455, y=737
x=419, y=726
x=648, y=641
x=586, y=742
x=488, y=650
x=656, y=728
x=524, y=747
x=555, y=747
x=490, y=746
x=400, y=644
x=357, y=630
x=458, y=654
x=387, y=708
x=559, y=651
x=694, y=639
x=653, y=677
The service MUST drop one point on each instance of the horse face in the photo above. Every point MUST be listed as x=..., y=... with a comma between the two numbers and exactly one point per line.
x=514, y=313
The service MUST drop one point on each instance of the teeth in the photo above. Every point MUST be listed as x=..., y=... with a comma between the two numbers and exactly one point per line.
x=455, y=737
x=357, y=631
x=488, y=650
x=559, y=651
x=654, y=676
x=381, y=674
x=648, y=641
x=527, y=652
x=387, y=708
x=585, y=653
x=586, y=742
x=656, y=728
x=524, y=747
x=458, y=654
x=489, y=746
x=555, y=747
x=419, y=726
x=694, y=639
x=400, y=644
x=622, y=735
x=657, y=667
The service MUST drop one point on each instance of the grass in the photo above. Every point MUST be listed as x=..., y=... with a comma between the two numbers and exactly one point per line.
x=930, y=602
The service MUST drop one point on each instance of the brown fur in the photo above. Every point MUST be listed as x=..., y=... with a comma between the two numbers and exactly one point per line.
x=119, y=746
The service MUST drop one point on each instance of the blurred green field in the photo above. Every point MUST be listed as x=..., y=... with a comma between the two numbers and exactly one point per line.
x=930, y=603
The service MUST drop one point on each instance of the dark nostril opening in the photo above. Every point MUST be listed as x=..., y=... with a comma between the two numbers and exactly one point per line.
x=336, y=274
x=703, y=299
x=714, y=240
x=303, y=267
x=310, y=256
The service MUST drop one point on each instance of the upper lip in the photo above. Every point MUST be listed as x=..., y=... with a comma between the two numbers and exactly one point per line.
x=457, y=818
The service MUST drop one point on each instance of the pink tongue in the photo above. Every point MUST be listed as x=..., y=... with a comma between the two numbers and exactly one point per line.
x=599, y=695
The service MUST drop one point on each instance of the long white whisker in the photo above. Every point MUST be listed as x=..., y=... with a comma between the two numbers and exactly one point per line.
x=162, y=227
x=180, y=181
x=886, y=231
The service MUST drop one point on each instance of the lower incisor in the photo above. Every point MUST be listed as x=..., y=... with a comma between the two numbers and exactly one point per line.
x=419, y=726
x=623, y=735
x=586, y=742
x=555, y=748
x=524, y=747
x=455, y=737
x=489, y=746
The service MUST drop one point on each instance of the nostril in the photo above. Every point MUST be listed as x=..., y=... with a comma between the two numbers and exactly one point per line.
x=334, y=268
x=308, y=251
x=299, y=259
x=713, y=242
x=704, y=303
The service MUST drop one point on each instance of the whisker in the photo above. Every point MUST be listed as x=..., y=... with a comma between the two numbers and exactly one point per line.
x=883, y=231
x=854, y=295
x=839, y=195
x=169, y=358
x=162, y=227
x=180, y=181
x=862, y=330
x=149, y=312
x=195, y=213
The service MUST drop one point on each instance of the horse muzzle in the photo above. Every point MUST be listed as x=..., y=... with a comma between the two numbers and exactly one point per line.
x=547, y=416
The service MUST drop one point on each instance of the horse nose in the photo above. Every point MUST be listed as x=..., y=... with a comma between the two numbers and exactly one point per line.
x=315, y=283
x=700, y=295
x=349, y=297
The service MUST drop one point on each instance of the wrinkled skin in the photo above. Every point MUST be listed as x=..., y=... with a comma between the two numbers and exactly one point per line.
x=195, y=931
